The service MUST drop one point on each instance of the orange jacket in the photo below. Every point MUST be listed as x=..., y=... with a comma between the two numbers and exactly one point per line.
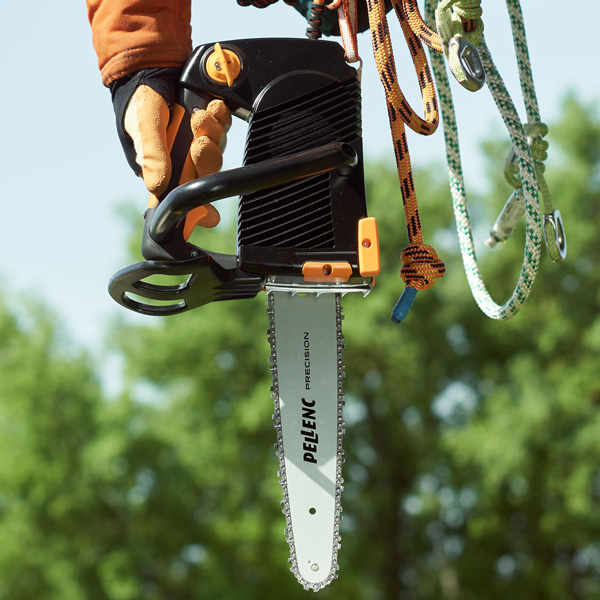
x=127, y=38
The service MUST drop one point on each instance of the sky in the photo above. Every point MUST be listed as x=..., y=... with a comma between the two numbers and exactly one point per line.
x=64, y=175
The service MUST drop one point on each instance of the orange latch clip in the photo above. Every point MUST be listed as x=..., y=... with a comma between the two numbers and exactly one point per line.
x=338, y=272
x=368, y=247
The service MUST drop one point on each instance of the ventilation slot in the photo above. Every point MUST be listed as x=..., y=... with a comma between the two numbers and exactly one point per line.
x=297, y=214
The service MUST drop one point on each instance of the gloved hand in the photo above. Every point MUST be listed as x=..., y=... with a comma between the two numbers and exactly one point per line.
x=142, y=106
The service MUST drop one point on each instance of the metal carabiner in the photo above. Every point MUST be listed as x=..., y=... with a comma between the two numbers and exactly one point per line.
x=469, y=59
x=554, y=235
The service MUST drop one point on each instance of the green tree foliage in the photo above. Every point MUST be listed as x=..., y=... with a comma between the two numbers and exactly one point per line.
x=471, y=445
x=47, y=412
x=529, y=447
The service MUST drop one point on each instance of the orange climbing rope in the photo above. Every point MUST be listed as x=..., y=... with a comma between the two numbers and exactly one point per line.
x=421, y=264
x=420, y=28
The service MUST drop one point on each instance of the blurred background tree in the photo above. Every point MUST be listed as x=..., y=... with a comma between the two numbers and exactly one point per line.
x=472, y=446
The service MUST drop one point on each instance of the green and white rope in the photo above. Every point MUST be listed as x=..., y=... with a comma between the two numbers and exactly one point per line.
x=522, y=52
x=527, y=171
x=536, y=130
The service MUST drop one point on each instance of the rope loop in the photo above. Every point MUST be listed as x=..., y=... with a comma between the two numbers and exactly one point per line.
x=459, y=18
x=348, y=21
x=554, y=235
x=471, y=25
x=460, y=28
x=384, y=59
x=539, y=152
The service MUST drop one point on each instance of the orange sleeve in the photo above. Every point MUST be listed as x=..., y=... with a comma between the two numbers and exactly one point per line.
x=130, y=35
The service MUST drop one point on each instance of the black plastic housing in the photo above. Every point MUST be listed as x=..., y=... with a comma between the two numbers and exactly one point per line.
x=301, y=184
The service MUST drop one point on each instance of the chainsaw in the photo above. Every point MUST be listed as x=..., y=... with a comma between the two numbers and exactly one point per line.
x=303, y=237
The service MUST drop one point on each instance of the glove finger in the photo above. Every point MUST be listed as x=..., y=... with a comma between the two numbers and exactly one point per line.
x=218, y=109
x=212, y=219
x=204, y=216
x=210, y=128
x=205, y=124
x=213, y=122
x=146, y=119
x=206, y=155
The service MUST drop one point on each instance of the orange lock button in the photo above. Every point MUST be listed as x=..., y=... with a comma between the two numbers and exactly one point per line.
x=223, y=65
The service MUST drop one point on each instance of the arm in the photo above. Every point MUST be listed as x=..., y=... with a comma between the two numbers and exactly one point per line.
x=130, y=35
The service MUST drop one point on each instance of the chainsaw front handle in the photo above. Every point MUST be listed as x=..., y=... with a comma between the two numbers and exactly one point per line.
x=250, y=178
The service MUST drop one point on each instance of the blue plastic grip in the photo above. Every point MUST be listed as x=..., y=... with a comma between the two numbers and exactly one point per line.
x=404, y=303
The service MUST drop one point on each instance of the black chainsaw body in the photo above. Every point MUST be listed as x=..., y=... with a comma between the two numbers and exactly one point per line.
x=301, y=185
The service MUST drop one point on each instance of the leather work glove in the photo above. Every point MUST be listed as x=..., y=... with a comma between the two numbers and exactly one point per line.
x=142, y=104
